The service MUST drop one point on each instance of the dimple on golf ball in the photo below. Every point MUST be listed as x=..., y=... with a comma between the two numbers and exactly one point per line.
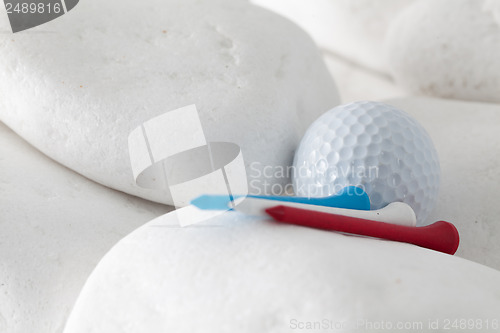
x=372, y=145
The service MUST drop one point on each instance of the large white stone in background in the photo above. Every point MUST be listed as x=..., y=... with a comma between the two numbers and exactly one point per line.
x=76, y=86
x=448, y=48
x=252, y=275
x=353, y=29
x=358, y=84
x=466, y=138
x=55, y=226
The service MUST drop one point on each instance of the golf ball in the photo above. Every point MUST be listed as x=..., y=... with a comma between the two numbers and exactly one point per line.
x=372, y=145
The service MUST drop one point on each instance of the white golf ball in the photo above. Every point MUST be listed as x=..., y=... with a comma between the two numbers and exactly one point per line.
x=372, y=145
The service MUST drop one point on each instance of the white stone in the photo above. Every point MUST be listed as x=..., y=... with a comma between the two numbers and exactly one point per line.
x=76, y=86
x=353, y=29
x=358, y=84
x=243, y=274
x=448, y=49
x=466, y=138
x=55, y=227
